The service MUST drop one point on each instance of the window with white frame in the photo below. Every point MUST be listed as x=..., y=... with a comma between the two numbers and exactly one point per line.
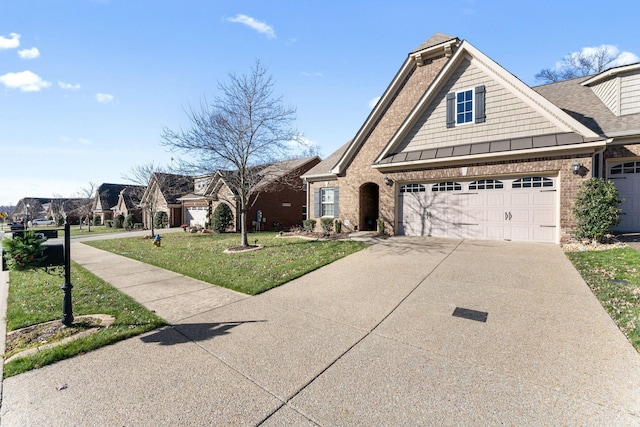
x=327, y=202
x=466, y=106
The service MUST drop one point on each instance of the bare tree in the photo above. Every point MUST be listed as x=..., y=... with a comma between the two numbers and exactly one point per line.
x=579, y=64
x=84, y=204
x=244, y=127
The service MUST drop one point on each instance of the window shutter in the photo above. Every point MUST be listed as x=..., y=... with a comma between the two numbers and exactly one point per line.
x=480, y=114
x=316, y=203
x=336, y=204
x=451, y=110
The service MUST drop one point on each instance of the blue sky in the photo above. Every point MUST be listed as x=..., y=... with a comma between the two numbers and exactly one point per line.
x=86, y=86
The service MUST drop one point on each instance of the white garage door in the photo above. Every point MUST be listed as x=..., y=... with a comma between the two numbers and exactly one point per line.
x=519, y=209
x=626, y=177
x=197, y=216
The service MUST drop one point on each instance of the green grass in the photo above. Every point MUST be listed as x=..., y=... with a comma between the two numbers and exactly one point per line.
x=614, y=277
x=202, y=256
x=35, y=297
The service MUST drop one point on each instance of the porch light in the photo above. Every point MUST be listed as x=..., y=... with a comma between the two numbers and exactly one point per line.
x=387, y=181
x=576, y=168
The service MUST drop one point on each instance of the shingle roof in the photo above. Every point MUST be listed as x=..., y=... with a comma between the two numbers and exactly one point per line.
x=581, y=103
x=434, y=40
x=108, y=194
x=325, y=166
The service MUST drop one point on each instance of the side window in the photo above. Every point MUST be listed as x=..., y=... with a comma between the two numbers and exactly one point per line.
x=325, y=202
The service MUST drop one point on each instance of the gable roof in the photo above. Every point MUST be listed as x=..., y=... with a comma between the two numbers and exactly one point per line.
x=108, y=195
x=436, y=46
x=323, y=169
x=576, y=131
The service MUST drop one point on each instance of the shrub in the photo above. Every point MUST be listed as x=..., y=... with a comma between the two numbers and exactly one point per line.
x=108, y=223
x=23, y=252
x=160, y=220
x=222, y=218
x=338, y=226
x=129, y=221
x=326, y=224
x=380, y=224
x=309, y=224
x=97, y=220
x=597, y=209
x=118, y=221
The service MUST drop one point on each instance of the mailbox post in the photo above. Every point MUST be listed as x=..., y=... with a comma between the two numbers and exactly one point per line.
x=67, y=309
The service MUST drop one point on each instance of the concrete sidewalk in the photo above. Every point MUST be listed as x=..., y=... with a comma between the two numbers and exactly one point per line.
x=367, y=340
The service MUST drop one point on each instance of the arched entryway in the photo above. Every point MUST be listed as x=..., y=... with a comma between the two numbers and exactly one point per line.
x=369, y=206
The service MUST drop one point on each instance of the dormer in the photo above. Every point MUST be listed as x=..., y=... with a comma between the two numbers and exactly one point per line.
x=618, y=88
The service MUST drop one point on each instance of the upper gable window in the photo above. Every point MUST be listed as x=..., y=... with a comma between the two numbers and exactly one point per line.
x=466, y=106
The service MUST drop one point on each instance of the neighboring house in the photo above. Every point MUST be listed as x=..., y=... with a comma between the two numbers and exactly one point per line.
x=29, y=208
x=161, y=195
x=280, y=202
x=104, y=200
x=71, y=209
x=129, y=202
x=459, y=147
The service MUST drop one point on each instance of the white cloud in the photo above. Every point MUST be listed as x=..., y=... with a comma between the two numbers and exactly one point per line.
x=68, y=86
x=104, y=98
x=10, y=43
x=374, y=101
x=625, y=58
x=259, y=26
x=29, y=53
x=312, y=74
x=26, y=81
x=619, y=58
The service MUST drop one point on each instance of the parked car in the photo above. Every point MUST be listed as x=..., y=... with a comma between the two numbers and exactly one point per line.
x=42, y=221
x=16, y=226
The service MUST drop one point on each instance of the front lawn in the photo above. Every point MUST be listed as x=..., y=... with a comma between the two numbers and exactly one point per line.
x=614, y=277
x=202, y=256
x=35, y=297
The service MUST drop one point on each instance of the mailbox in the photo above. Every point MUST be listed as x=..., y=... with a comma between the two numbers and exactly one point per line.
x=53, y=255
x=47, y=234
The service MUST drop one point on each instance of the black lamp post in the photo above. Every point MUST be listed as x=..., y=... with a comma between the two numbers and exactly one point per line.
x=67, y=310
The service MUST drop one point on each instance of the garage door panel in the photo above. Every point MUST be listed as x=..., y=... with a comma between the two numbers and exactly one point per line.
x=487, y=209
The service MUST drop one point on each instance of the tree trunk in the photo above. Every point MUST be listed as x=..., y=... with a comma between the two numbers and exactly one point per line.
x=243, y=228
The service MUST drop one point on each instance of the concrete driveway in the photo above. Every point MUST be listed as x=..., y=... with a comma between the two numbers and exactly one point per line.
x=367, y=340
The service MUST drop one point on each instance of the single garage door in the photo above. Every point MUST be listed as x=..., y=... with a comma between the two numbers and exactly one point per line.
x=626, y=177
x=519, y=209
x=197, y=216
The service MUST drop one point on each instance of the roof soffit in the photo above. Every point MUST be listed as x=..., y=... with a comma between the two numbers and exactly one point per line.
x=526, y=94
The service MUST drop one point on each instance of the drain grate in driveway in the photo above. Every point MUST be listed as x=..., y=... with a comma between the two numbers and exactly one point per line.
x=467, y=313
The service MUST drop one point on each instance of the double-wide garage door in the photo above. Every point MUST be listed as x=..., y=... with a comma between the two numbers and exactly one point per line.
x=519, y=209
